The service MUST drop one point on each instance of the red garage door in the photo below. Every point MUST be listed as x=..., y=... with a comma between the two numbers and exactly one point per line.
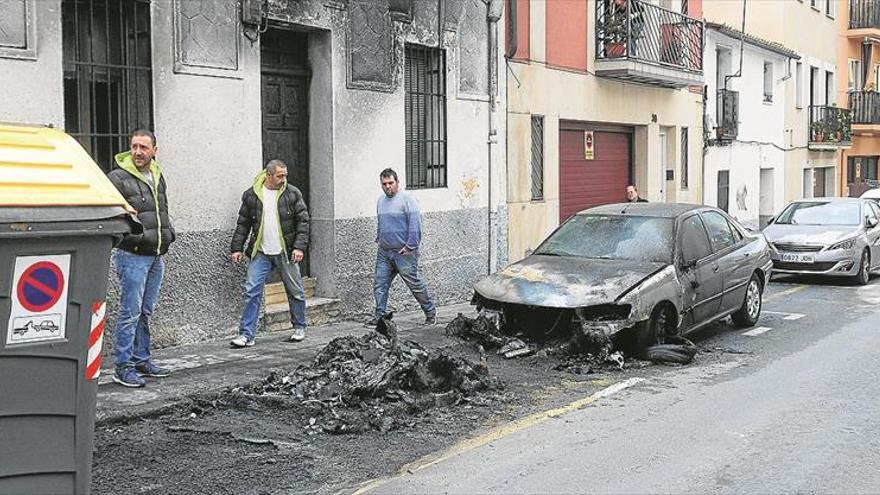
x=586, y=183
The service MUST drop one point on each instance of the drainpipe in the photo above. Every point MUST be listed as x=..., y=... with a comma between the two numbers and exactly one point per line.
x=496, y=8
x=742, y=33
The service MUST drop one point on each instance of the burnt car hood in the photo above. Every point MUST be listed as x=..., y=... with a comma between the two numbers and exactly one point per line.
x=565, y=282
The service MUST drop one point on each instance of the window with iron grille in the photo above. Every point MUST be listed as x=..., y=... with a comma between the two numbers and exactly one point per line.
x=107, y=73
x=537, y=158
x=723, y=189
x=684, y=158
x=425, y=107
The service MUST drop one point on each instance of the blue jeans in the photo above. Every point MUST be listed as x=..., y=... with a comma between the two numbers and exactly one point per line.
x=258, y=271
x=140, y=278
x=390, y=263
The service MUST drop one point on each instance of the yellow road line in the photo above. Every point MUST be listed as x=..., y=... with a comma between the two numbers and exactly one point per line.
x=786, y=292
x=501, y=432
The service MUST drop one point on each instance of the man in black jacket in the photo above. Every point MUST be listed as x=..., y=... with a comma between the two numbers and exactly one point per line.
x=632, y=195
x=274, y=216
x=138, y=259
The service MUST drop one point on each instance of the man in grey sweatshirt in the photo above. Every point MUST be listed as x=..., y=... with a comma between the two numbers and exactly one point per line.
x=398, y=236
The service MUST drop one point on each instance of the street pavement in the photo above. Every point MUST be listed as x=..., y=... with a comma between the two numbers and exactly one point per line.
x=791, y=407
x=794, y=411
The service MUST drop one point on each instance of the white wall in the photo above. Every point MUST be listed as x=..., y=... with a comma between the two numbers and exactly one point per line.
x=31, y=91
x=207, y=165
x=371, y=137
x=761, y=130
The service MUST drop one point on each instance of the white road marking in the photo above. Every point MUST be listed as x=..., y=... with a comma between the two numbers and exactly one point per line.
x=617, y=387
x=757, y=331
x=786, y=316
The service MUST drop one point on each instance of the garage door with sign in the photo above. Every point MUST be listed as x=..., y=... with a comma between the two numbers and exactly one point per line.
x=39, y=299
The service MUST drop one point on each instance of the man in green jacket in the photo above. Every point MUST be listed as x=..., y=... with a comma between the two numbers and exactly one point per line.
x=274, y=216
x=138, y=258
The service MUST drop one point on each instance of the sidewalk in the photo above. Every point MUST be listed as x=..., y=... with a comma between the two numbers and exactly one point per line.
x=213, y=366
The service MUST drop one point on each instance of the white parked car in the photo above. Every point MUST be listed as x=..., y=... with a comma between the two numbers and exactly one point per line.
x=826, y=236
x=872, y=194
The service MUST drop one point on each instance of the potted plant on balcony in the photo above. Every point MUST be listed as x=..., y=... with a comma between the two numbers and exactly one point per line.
x=843, y=125
x=817, y=131
x=614, y=27
x=622, y=25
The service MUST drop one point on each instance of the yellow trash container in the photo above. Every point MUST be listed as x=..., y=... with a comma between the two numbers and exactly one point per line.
x=59, y=218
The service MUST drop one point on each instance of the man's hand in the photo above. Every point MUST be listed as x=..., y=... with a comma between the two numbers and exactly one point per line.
x=235, y=257
x=297, y=256
x=404, y=251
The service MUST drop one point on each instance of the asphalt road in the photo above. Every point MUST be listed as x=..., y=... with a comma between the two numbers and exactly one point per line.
x=791, y=405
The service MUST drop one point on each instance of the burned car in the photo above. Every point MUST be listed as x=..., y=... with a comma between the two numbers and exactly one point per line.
x=652, y=269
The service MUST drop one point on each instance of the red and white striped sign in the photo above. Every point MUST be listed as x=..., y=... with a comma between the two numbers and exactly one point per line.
x=96, y=340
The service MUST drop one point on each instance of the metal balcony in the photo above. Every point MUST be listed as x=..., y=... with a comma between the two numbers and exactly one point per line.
x=864, y=14
x=865, y=107
x=640, y=42
x=727, y=109
x=830, y=128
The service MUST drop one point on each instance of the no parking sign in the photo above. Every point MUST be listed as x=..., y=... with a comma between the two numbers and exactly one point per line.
x=39, y=298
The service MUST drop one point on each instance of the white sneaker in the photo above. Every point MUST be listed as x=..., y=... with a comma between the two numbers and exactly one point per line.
x=298, y=335
x=241, y=341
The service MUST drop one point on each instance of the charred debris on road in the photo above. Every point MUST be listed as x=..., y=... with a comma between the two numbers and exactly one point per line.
x=581, y=343
x=378, y=381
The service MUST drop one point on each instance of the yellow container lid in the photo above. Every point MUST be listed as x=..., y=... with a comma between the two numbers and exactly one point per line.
x=41, y=166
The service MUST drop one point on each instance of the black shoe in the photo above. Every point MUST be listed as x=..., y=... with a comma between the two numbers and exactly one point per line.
x=128, y=377
x=151, y=370
x=431, y=320
x=372, y=322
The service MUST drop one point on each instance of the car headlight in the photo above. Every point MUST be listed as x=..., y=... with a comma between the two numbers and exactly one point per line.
x=847, y=244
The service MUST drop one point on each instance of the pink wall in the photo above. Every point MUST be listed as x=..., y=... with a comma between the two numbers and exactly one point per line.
x=566, y=33
x=522, y=28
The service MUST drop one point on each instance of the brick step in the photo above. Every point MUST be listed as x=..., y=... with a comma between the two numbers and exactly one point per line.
x=319, y=311
x=274, y=293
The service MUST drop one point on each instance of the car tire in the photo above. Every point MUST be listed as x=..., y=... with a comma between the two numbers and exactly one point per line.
x=747, y=314
x=653, y=331
x=864, y=275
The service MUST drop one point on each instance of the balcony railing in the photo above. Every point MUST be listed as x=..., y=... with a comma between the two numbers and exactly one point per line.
x=830, y=126
x=728, y=115
x=864, y=14
x=865, y=107
x=638, y=30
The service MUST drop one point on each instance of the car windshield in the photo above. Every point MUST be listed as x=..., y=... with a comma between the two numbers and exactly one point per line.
x=820, y=213
x=612, y=237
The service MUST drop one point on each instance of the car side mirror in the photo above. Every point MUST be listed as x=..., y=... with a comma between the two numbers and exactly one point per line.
x=870, y=222
x=771, y=220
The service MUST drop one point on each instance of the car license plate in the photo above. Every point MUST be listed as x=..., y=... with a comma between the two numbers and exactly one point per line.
x=798, y=258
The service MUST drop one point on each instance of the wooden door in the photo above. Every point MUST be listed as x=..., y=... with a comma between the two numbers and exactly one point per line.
x=285, y=106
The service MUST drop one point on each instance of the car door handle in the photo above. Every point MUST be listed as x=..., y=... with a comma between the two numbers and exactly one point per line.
x=715, y=268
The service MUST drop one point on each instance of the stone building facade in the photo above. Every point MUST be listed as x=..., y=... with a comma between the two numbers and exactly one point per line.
x=340, y=89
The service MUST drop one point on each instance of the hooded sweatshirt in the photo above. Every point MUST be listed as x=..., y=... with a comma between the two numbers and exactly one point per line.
x=292, y=218
x=151, y=202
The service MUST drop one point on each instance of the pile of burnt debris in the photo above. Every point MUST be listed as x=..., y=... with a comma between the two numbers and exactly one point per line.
x=580, y=348
x=377, y=381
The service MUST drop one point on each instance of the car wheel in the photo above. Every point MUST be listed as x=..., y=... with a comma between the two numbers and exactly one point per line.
x=655, y=330
x=864, y=275
x=747, y=315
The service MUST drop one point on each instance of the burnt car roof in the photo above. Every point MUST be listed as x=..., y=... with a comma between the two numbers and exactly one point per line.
x=660, y=210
